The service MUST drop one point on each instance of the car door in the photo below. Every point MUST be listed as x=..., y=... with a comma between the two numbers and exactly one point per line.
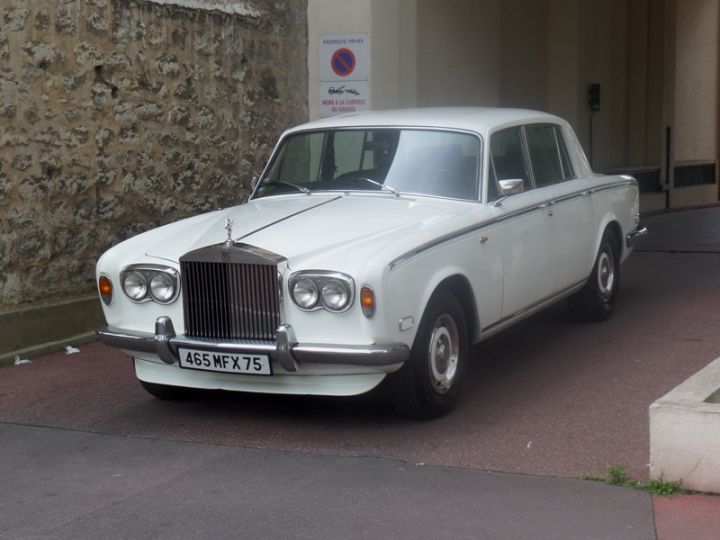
x=523, y=230
x=569, y=203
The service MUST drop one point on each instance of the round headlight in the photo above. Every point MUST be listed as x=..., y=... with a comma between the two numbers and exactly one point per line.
x=305, y=293
x=162, y=287
x=135, y=286
x=335, y=295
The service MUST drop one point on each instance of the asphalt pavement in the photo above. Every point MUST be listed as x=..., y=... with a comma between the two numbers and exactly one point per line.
x=70, y=484
x=86, y=453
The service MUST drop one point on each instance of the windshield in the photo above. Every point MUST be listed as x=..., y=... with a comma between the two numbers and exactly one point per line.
x=441, y=163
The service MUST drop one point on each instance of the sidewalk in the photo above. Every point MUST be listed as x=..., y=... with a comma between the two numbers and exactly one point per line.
x=100, y=486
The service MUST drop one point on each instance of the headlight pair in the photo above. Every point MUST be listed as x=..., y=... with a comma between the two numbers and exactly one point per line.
x=142, y=283
x=318, y=289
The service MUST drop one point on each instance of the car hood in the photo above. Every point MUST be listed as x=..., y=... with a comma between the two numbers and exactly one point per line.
x=303, y=228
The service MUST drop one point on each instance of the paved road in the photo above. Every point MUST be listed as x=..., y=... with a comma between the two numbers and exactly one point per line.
x=550, y=397
x=65, y=484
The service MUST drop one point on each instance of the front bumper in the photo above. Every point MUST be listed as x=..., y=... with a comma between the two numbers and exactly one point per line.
x=633, y=239
x=285, y=350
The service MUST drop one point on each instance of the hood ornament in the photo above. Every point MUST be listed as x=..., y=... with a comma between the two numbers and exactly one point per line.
x=228, y=227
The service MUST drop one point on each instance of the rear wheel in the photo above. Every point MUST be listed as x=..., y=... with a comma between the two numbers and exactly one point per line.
x=168, y=393
x=596, y=300
x=429, y=383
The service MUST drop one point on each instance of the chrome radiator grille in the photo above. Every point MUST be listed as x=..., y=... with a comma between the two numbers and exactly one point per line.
x=230, y=300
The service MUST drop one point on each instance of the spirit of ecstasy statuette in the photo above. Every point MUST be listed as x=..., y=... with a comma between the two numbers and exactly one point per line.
x=228, y=227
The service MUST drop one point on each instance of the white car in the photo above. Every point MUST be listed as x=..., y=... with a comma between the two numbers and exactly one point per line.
x=374, y=246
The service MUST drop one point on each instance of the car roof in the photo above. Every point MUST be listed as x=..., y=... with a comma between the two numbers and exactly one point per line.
x=478, y=119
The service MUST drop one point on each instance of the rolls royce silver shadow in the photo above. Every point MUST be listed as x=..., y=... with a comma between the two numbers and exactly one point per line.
x=375, y=247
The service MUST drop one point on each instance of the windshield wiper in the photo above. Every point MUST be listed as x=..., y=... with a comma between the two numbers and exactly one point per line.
x=381, y=186
x=303, y=189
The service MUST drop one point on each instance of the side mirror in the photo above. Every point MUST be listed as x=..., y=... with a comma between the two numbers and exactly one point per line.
x=512, y=186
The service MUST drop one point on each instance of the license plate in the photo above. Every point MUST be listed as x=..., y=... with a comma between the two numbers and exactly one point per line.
x=226, y=362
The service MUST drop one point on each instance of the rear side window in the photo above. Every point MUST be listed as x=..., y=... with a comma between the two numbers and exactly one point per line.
x=544, y=155
x=548, y=155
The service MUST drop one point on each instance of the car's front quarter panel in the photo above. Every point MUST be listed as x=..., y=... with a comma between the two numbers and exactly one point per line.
x=468, y=264
x=123, y=313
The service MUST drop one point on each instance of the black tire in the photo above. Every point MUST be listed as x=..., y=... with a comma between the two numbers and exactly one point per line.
x=596, y=300
x=419, y=391
x=168, y=393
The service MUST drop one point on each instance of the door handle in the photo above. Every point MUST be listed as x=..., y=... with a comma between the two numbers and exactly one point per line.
x=547, y=206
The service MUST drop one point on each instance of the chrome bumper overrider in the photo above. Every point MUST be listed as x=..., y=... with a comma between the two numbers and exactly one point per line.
x=285, y=350
x=632, y=239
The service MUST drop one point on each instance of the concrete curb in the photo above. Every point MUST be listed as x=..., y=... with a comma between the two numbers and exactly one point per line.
x=685, y=432
x=31, y=330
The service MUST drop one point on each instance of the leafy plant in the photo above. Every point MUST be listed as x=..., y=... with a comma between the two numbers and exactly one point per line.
x=618, y=476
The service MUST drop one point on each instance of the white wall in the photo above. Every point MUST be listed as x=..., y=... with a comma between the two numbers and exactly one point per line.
x=391, y=26
x=458, y=52
x=331, y=17
x=696, y=79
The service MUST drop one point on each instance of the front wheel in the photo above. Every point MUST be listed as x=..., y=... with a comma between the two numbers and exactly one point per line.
x=429, y=384
x=596, y=300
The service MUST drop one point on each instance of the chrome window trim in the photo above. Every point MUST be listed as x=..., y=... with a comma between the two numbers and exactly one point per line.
x=149, y=269
x=516, y=213
x=560, y=141
x=528, y=159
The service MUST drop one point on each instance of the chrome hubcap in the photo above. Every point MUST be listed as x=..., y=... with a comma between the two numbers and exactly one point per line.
x=606, y=275
x=444, y=353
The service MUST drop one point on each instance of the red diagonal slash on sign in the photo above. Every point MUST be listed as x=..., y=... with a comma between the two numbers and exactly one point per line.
x=343, y=62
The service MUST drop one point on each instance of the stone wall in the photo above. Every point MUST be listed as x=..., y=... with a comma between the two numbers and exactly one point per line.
x=120, y=115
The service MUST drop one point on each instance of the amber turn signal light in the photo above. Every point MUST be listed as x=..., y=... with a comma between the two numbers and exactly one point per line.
x=106, y=289
x=367, y=301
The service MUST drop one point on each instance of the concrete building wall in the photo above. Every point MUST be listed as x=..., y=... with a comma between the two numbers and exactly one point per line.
x=119, y=115
x=523, y=54
x=458, y=53
x=695, y=137
x=696, y=77
x=332, y=17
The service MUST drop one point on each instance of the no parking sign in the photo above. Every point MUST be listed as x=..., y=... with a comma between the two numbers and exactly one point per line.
x=342, y=62
x=343, y=57
x=343, y=73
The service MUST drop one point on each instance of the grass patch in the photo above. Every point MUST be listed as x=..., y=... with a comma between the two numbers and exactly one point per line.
x=618, y=476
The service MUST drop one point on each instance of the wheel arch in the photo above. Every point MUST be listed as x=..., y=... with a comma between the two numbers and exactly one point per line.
x=459, y=286
x=610, y=223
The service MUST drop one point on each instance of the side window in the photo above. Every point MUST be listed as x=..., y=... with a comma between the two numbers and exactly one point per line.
x=544, y=154
x=567, y=168
x=507, y=160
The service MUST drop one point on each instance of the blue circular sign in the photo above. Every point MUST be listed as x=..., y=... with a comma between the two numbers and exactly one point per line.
x=343, y=62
